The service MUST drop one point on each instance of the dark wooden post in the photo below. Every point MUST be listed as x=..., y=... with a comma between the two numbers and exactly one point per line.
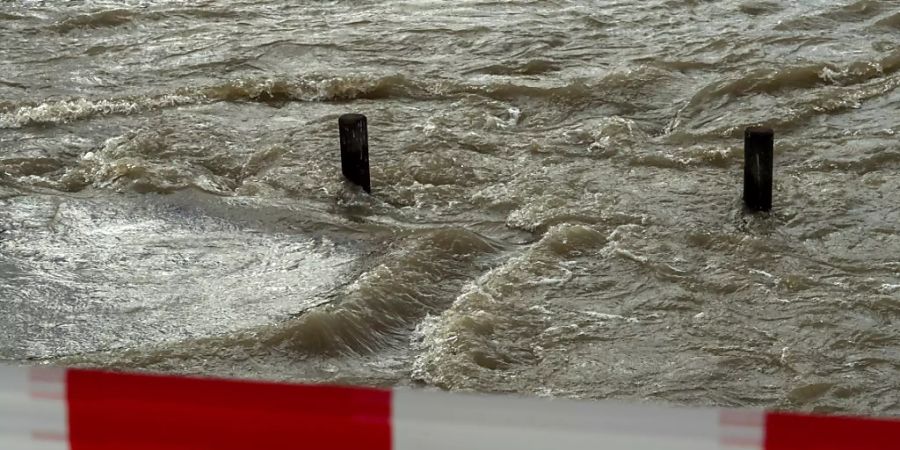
x=355, y=150
x=759, y=145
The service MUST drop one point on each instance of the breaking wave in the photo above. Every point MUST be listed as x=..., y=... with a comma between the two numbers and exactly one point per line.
x=492, y=326
x=64, y=111
x=276, y=91
x=822, y=89
x=381, y=307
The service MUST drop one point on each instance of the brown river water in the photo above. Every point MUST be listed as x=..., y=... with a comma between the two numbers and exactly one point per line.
x=556, y=206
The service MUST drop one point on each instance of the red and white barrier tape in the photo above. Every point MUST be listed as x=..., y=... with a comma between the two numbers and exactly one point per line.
x=57, y=409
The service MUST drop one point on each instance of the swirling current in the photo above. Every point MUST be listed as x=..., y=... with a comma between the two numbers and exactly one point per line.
x=556, y=205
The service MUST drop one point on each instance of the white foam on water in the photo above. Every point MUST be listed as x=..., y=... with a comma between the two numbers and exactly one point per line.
x=103, y=274
x=63, y=111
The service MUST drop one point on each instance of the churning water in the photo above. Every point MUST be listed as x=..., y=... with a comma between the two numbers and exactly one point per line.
x=556, y=207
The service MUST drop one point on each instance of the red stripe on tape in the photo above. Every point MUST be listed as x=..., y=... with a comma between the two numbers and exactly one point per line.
x=786, y=431
x=110, y=411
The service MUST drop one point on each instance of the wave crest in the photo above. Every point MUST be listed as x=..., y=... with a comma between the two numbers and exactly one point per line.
x=273, y=90
x=102, y=19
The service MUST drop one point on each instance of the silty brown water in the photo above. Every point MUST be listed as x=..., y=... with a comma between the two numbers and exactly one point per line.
x=556, y=195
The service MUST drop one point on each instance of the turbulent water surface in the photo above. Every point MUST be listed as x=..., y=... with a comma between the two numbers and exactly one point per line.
x=556, y=207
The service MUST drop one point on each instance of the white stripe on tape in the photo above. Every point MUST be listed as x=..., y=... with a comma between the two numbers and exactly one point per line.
x=27, y=443
x=440, y=421
x=33, y=409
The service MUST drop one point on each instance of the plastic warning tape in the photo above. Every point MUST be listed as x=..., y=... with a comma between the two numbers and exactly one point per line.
x=56, y=409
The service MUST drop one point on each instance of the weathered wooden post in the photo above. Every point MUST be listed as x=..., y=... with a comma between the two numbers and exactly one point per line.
x=355, y=150
x=759, y=145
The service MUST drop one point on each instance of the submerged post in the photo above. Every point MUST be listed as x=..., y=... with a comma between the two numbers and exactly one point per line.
x=759, y=145
x=355, y=150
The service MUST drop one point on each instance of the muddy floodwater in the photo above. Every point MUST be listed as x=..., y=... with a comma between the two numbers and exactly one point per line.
x=556, y=205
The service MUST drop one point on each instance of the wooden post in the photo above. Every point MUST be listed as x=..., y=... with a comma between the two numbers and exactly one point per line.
x=759, y=145
x=355, y=150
